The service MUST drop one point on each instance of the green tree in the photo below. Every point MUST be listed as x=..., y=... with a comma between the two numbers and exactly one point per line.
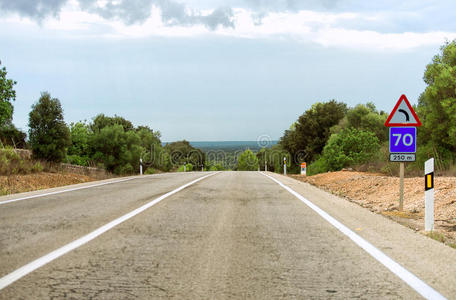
x=437, y=104
x=365, y=117
x=7, y=96
x=349, y=147
x=274, y=159
x=49, y=135
x=11, y=136
x=182, y=152
x=247, y=161
x=308, y=136
x=79, y=150
x=117, y=149
x=101, y=121
x=153, y=154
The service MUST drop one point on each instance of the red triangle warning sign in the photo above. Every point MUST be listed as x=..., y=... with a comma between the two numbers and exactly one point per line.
x=403, y=115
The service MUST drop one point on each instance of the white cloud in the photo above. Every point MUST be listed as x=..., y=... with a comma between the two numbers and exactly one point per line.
x=321, y=28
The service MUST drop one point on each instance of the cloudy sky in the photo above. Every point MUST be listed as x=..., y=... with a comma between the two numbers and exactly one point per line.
x=218, y=69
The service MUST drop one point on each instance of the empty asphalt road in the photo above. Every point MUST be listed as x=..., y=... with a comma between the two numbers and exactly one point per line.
x=230, y=235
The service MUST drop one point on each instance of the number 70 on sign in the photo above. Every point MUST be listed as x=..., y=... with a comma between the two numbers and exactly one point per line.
x=402, y=139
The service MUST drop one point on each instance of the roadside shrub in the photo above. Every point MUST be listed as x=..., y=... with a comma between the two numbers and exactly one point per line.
x=12, y=163
x=349, y=147
x=37, y=167
x=150, y=171
x=317, y=167
x=78, y=160
x=189, y=167
x=247, y=161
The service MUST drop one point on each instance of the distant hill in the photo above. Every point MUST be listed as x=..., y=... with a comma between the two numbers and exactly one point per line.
x=231, y=146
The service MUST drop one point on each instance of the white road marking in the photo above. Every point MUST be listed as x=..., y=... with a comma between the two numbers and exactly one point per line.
x=74, y=189
x=417, y=284
x=32, y=266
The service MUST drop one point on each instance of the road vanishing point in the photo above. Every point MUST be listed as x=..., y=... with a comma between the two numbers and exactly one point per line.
x=211, y=235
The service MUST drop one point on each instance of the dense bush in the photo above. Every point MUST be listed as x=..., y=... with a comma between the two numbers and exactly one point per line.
x=247, y=161
x=117, y=149
x=150, y=171
x=11, y=163
x=11, y=136
x=367, y=118
x=188, y=168
x=308, y=136
x=347, y=148
x=115, y=144
x=181, y=152
x=79, y=151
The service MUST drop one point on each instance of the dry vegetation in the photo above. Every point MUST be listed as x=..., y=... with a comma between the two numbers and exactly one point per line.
x=30, y=182
x=19, y=173
x=380, y=194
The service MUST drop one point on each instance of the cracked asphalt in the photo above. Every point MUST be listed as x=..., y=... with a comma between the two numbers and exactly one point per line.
x=234, y=235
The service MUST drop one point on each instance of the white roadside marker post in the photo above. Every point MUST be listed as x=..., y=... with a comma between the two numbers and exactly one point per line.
x=265, y=166
x=284, y=166
x=185, y=166
x=140, y=167
x=429, y=195
x=304, y=169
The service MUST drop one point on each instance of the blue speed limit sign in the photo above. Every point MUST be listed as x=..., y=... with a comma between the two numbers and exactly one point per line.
x=402, y=139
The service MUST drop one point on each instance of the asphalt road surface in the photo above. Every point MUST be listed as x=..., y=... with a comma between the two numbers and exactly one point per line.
x=232, y=235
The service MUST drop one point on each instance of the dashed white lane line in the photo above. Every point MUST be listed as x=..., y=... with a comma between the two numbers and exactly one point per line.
x=414, y=282
x=74, y=189
x=32, y=266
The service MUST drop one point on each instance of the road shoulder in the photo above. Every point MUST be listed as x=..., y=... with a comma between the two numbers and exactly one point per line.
x=430, y=260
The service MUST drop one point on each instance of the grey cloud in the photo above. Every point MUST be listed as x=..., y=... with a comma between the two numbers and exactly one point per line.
x=38, y=9
x=129, y=11
x=291, y=5
x=263, y=7
x=219, y=17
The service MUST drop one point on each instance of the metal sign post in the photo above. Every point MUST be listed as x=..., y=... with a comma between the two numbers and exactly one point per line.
x=429, y=195
x=401, y=186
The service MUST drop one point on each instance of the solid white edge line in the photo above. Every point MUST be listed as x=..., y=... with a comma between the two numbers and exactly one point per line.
x=414, y=282
x=32, y=266
x=75, y=189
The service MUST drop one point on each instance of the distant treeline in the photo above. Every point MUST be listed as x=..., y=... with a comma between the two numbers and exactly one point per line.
x=112, y=143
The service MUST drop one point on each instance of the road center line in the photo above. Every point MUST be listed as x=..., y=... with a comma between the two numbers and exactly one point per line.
x=414, y=282
x=74, y=189
x=32, y=266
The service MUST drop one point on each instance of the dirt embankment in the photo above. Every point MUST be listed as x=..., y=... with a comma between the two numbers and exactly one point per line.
x=12, y=184
x=380, y=194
